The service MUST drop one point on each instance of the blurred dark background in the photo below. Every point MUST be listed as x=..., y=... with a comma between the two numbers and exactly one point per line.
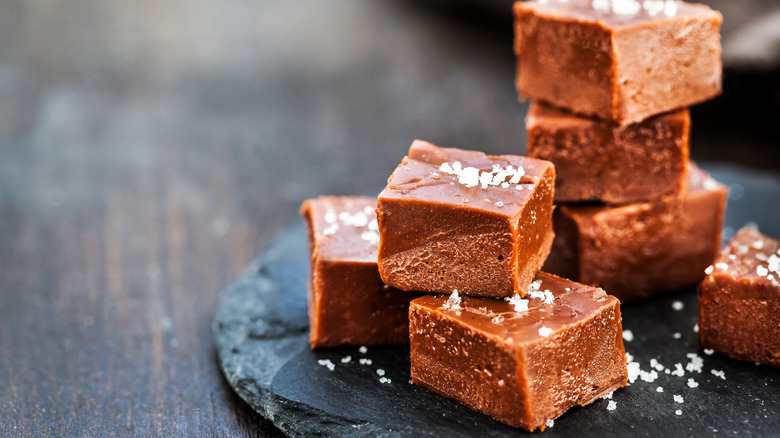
x=149, y=150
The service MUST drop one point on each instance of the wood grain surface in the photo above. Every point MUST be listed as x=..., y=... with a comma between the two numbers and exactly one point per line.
x=150, y=150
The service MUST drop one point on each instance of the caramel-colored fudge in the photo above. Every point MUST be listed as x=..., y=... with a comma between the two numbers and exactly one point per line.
x=739, y=300
x=637, y=250
x=602, y=161
x=456, y=219
x=622, y=61
x=521, y=361
x=348, y=303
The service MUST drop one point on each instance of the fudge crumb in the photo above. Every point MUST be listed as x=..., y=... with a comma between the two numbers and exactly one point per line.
x=380, y=372
x=363, y=349
x=519, y=304
x=678, y=398
x=719, y=373
x=708, y=351
x=628, y=335
x=545, y=331
x=365, y=361
x=327, y=363
x=550, y=423
x=692, y=383
x=678, y=305
x=384, y=380
x=678, y=412
x=659, y=389
x=346, y=359
x=453, y=302
x=611, y=406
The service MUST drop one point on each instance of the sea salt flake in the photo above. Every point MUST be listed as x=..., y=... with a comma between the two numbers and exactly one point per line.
x=609, y=396
x=469, y=177
x=659, y=389
x=330, y=216
x=633, y=371
x=446, y=168
x=363, y=349
x=365, y=361
x=346, y=359
x=550, y=423
x=696, y=363
x=372, y=237
x=762, y=271
x=545, y=331
x=709, y=269
x=327, y=363
x=519, y=173
x=721, y=265
x=499, y=204
x=678, y=412
x=678, y=370
x=504, y=185
x=384, y=380
x=719, y=373
x=696, y=328
x=330, y=230
x=380, y=372
x=453, y=302
x=677, y=335
x=678, y=305
x=708, y=351
x=611, y=406
x=628, y=335
x=485, y=179
x=692, y=383
x=497, y=319
x=758, y=244
x=435, y=175
x=678, y=398
x=519, y=304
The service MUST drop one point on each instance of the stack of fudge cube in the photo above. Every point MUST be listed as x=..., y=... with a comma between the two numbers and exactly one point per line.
x=611, y=83
x=448, y=259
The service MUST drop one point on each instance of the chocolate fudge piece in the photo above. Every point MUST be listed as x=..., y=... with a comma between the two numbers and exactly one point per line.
x=601, y=161
x=618, y=60
x=637, y=250
x=348, y=303
x=456, y=219
x=739, y=300
x=521, y=361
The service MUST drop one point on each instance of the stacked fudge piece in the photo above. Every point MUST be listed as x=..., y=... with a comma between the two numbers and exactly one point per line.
x=611, y=82
x=448, y=259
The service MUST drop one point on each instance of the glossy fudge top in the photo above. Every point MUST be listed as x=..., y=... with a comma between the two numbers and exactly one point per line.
x=497, y=183
x=752, y=257
x=552, y=304
x=615, y=13
x=343, y=228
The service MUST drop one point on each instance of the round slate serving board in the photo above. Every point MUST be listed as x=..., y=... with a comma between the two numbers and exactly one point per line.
x=261, y=331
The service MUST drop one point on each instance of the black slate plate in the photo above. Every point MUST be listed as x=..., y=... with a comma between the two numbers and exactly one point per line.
x=261, y=331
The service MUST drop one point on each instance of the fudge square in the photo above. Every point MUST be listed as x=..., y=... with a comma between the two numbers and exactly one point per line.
x=637, y=250
x=601, y=161
x=457, y=219
x=348, y=303
x=739, y=300
x=521, y=361
x=619, y=60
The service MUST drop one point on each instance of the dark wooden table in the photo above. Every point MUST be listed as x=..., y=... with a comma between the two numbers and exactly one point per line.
x=150, y=150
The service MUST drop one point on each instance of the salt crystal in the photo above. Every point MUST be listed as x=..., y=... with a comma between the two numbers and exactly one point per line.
x=678, y=370
x=504, y=185
x=762, y=271
x=518, y=174
x=628, y=335
x=435, y=175
x=611, y=406
x=331, y=229
x=678, y=412
x=485, y=178
x=709, y=269
x=499, y=204
x=384, y=380
x=330, y=216
x=609, y=396
x=363, y=349
x=365, y=361
x=678, y=398
x=758, y=244
x=708, y=351
x=678, y=305
x=550, y=423
x=453, y=302
x=327, y=363
x=670, y=10
x=722, y=266
x=625, y=7
x=469, y=177
x=696, y=328
x=346, y=359
x=520, y=305
x=497, y=319
x=380, y=372
x=696, y=363
x=545, y=331
x=633, y=371
x=659, y=389
x=719, y=373
x=692, y=383
x=372, y=237
x=677, y=335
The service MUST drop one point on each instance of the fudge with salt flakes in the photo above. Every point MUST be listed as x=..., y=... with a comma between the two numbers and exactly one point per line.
x=348, y=303
x=521, y=361
x=619, y=60
x=453, y=219
x=739, y=300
